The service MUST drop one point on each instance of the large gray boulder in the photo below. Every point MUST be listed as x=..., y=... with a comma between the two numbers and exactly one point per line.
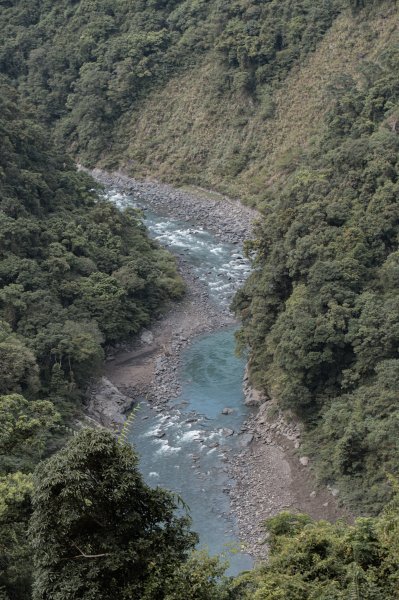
x=108, y=405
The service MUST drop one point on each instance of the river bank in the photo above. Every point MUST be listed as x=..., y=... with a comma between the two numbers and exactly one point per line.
x=227, y=219
x=270, y=474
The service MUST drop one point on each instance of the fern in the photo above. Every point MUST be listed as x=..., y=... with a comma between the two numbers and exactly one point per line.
x=122, y=437
x=180, y=502
x=354, y=570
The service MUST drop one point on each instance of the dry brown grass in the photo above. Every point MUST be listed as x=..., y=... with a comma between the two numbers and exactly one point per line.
x=195, y=130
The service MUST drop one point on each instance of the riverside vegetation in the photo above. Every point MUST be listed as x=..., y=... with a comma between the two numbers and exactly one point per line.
x=76, y=273
x=293, y=105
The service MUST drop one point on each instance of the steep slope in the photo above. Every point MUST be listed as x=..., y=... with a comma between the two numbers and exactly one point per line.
x=197, y=129
x=291, y=105
x=320, y=312
x=75, y=273
x=71, y=263
x=90, y=68
x=223, y=95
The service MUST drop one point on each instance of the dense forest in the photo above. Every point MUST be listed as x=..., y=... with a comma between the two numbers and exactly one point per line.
x=321, y=310
x=76, y=274
x=293, y=105
x=87, y=65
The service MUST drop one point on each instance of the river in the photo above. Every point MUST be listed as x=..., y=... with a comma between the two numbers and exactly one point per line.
x=186, y=447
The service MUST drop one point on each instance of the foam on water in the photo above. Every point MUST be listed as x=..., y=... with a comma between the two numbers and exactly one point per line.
x=186, y=461
x=153, y=432
x=167, y=449
x=219, y=264
x=190, y=436
x=183, y=461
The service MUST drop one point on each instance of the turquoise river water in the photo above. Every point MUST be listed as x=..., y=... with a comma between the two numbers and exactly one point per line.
x=185, y=448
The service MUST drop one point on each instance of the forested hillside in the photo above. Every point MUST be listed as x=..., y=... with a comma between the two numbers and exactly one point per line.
x=291, y=105
x=90, y=66
x=75, y=274
x=321, y=311
x=223, y=94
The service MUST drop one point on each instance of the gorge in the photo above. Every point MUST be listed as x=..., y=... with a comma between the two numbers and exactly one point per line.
x=185, y=375
x=261, y=361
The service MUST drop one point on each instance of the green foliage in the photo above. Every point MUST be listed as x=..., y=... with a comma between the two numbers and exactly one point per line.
x=75, y=273
x=86, y=65
x=323, y=561
x=24, y=431
x=18, y=366
x=97, y=530
x=24, y=428
x=265, y=40
x=15, y=553
x=199, y=578
x=320, y=311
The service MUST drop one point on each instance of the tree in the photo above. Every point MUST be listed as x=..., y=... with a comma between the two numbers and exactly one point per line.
x=24, y=430
x=199, y=578
x=97, y=530
x=18, y=367
x=15, y=552
x=316, y=560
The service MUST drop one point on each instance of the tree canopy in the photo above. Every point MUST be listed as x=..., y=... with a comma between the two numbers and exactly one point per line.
x=321, y=311
x=86, y=65
x=76, y=273
x=97, y=530
x=323, y=561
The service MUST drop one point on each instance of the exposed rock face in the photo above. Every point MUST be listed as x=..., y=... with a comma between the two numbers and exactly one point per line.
x=107, y=405
x=252, y=397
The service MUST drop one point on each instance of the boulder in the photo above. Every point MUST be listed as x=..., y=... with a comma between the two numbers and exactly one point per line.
x=146, y=337
x=253, y=397
x=108, y=405
x=227, y=432
x=246, y=440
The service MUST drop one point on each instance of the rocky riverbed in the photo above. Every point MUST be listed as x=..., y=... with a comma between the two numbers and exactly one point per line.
x=227, y=219
x=269, y=471
x=148, y=367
